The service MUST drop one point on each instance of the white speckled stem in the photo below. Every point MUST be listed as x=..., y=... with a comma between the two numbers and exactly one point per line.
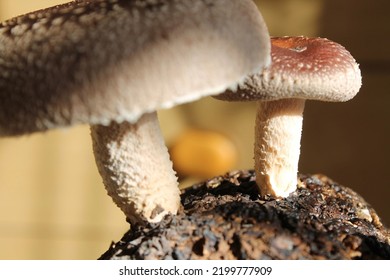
x=277, y=145
x=136, y=170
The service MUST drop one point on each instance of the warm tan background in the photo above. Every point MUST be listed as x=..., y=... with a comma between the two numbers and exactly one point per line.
x=52, y=202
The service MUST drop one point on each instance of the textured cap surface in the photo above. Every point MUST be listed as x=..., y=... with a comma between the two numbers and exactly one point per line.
x=307, y=68
x=114, y=60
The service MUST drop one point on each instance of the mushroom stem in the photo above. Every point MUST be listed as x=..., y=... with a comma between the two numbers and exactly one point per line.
x=277, y=145
x=136, y=170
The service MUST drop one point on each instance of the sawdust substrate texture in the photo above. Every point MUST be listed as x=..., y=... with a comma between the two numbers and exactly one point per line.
x=224, y=218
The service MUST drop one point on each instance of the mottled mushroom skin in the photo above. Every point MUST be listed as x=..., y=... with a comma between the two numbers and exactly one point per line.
x=112, y=64
x=302, y=67
x=58, y=66
x=136, y=170
x=277, y=145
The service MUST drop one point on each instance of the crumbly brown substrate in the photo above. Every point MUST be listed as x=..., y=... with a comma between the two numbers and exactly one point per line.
x=224, y=218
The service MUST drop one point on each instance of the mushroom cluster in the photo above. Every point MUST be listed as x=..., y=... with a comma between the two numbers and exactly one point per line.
x=112, y=64
x=302, y=68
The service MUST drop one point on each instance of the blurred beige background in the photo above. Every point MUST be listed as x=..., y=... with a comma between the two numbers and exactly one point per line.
x=54, y=206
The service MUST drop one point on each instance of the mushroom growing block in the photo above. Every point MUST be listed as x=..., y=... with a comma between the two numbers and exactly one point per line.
x=302, y=68
x=112, y=64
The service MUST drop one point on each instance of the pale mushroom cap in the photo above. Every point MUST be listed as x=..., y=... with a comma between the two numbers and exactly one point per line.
x=306, y=68
x=114, y=60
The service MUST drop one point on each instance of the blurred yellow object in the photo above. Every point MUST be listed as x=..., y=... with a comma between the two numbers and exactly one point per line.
x=203, y=154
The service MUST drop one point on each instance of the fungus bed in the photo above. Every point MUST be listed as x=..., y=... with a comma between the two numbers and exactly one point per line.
x=225, y=218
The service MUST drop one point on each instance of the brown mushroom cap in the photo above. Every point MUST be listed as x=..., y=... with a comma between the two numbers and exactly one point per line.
x=306, y=68
x=114, y=60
